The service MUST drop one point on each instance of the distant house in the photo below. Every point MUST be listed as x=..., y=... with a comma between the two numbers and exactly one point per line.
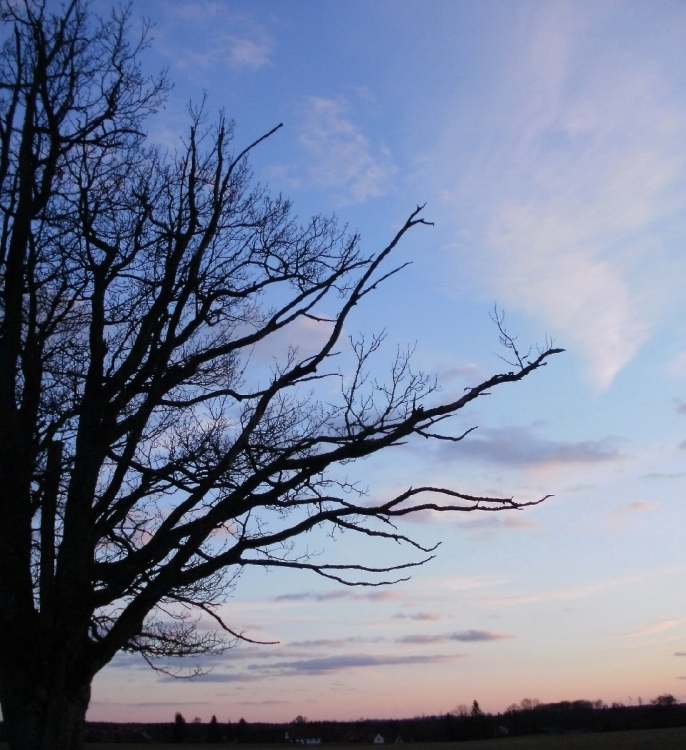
x=308, y=741
x=379, y=739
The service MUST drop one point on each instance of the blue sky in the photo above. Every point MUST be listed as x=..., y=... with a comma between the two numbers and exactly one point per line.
x=547, y=140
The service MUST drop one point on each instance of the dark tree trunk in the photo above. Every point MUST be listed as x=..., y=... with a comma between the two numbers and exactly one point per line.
x=37, y=718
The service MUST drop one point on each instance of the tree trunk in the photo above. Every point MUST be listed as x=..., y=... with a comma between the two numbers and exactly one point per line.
x=40, y=719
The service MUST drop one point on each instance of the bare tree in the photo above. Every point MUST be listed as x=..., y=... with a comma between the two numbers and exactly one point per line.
x=146, y=459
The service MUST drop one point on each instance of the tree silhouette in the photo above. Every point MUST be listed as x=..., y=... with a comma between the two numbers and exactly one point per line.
x=179, y=728
x=147, y=459
x=667, y=700
x=213, y=730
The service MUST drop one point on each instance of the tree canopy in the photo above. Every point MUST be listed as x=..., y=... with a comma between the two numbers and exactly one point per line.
x=147, y=459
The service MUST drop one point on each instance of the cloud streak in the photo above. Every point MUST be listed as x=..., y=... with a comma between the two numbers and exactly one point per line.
x=328, y=596
x=657, y=628
x=326, y=665
x=520, y=446
x=464, y=636
x=418, y=616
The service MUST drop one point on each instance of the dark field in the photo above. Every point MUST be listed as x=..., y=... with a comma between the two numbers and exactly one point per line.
x=650, y=739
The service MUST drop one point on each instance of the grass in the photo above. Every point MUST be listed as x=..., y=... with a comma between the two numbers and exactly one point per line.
x=649, y=739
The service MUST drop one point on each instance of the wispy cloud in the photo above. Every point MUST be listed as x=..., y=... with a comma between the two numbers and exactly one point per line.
x=659, y=475
x=208, y=44
x=464, y=636
x=492, y=523
x=560, y=594
x=521, y=446
x=149, y=704
x=332, y=643
x=330, y=664
x=341, y=156
x=579, y=159
x=640, y=506
x=327, y=596
x=237, y=52
x=418, y=616
x=469, y=371
x=221, y=677
x=657, y=628
x=244, y=52
x=621, y=515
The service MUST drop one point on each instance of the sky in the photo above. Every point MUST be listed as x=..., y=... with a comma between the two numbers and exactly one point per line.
x=546, y=139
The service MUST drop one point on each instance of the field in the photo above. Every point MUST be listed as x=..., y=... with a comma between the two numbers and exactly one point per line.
x=651, y=739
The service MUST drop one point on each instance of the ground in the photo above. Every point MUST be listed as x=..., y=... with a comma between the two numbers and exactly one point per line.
x=652, y=739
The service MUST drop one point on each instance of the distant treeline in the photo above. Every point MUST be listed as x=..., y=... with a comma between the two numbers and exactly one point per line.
x=531, y=718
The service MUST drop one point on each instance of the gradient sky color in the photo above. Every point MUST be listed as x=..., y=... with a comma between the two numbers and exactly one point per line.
x=547, y=139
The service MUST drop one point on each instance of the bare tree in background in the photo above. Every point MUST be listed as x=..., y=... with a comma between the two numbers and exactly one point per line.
x=146, y=460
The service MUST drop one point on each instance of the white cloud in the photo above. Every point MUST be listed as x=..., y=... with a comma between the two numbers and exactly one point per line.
x=207, y=44
x=342, y=157
x=237, y=52
x=577, y=163
x=244, y=52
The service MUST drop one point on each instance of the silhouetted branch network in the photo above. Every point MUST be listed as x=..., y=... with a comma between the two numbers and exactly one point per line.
x=152, y=455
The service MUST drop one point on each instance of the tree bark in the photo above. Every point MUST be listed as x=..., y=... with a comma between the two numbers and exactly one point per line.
x=40, y=719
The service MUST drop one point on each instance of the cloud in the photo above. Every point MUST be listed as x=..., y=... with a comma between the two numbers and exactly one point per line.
x=149, y=704
x=656, y=628
x=244, y=52
x=326, y=665
x=303, y=334
x=220, y=677
x=198, y=10
x=207, y=44
x=493, y=523
x=640, y=506
x=679, y=406
x=619, y=516
x=236, y=52
x=568, y=176
x=560, y=594
x=464, y=636
x=327, y=596
x=469, y=371
x=318, y=666
x=680, y=653
x=342, y=158
x=418, y=616
x=519, y=446
x=334, y=642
